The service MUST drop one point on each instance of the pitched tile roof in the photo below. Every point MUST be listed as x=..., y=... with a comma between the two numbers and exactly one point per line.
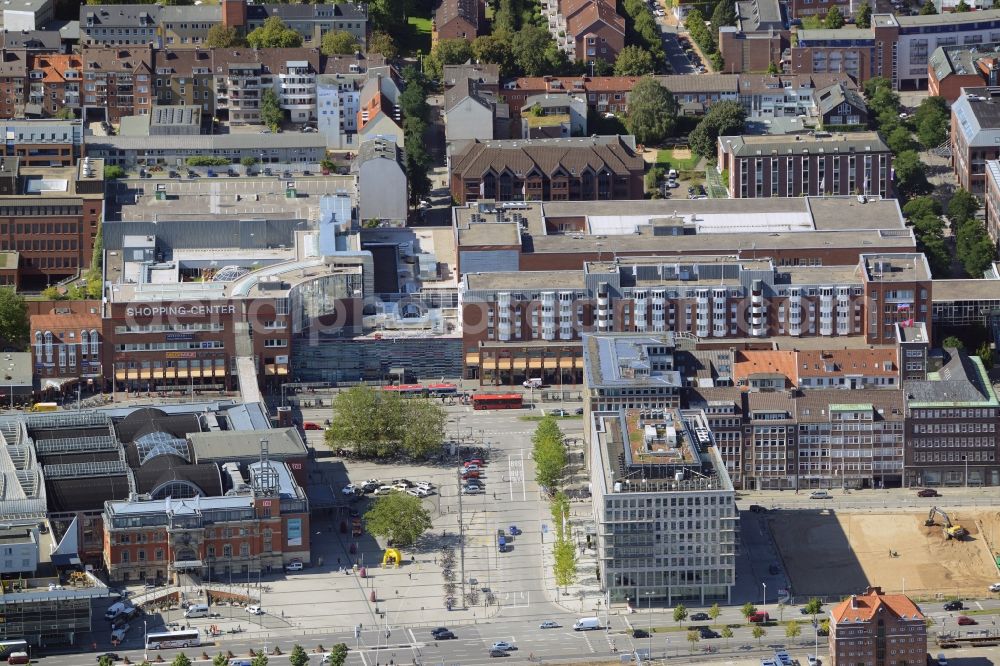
x=880, y=362
x=450, y=10
x=54, y=66
x=547, y=156
x=755, y=362
x=591, y=13
x=864, y=607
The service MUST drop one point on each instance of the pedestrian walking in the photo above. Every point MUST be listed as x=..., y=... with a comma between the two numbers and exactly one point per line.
x=409, y=575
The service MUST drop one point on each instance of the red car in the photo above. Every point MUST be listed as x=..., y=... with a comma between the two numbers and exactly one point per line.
x=309, y=425
x=474, y=461
x=965, y=619
x=928, y=492
x=470, y=475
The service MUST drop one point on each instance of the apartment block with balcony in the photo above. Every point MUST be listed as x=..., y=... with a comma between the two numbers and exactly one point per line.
x=54, y=83
x=975, y=137
x=877, y=628
x=13, y=83
x=111, y=78
x=297, y=90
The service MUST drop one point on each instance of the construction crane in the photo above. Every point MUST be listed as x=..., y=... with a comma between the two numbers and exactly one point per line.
x=951, y=531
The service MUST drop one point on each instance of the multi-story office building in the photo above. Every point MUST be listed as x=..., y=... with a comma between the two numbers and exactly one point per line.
x=816, y=165
x=877, y=628
x=952, y=68
x=50, y=216
x=630, y=372
x=67, y=345
x=664, y=507
x=42, y=143
x=757, y=39
x=896, y=47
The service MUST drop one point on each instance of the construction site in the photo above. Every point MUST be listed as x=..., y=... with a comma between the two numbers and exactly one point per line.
x=927, y=555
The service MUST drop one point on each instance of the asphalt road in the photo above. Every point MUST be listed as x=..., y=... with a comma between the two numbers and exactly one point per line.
x=678, y=60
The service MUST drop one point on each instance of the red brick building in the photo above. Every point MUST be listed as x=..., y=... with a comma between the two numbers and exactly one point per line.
x=68, y=345
x=877, y=629
x=458, y=19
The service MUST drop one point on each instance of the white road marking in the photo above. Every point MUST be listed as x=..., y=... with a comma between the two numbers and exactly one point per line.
x=524, y=487
x=587, y=639
x=363, y=660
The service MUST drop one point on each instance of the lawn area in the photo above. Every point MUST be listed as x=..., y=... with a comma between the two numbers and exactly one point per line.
x=417, y=38
x=682, y=159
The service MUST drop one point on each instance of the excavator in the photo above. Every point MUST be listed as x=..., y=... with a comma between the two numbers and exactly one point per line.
x=951, y=531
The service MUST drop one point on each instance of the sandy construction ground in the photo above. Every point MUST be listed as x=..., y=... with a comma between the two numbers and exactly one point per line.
x=827, y=553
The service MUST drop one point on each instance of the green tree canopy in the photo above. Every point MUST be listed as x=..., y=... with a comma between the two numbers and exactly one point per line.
x=400, y=517
x=223, y=37
x=259, y=660
x=723, y=119
x=863, y=15
x=693, y=636
x=530, y=50
x=724, y=14
x=298, y=656
x=338, y=654
x=379, y=424
x=270, y=110
x=911, y=174
x=834, y=19
x=814, y=606
x=962, y=206
x=220, y=660
x=928, y=8
x=922, y=206
x=274, y=34
x=339, y=42
x=564, y=565
x=975, y=248
x=747, y=609
x=792, y=629
x=446, y=52
x=986, y=355
x=951, y=342
x=382, y=43
x=962, y=7
x=758, y=632
x=652, y=111
x=899, y=140
x=14, y=326
x=932, y=119
x=680, y=613
x=387, y=15
x=634, y=61
x=549, y=453
x=181, y=660
x=494, y=49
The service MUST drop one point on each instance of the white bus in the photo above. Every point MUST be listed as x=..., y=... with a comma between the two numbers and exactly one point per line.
x=173, y=639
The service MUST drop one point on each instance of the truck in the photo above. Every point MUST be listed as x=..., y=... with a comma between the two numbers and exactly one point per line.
x=45, y=407
x=587, y=624
x=356, y=526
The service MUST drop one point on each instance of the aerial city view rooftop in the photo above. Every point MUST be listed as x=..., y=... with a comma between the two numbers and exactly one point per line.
x=461, y=332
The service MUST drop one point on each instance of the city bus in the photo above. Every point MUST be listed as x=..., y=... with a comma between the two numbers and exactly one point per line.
x=406, y=390
x=440, y=390
x=44, y=407
x=173, y=639
x=497, y=401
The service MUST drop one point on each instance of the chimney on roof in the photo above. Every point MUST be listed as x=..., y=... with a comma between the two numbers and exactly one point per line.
x=854, y=601
x=234, y=13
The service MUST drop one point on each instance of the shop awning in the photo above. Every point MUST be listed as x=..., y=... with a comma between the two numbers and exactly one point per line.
x=472, y=359
x=535, y=363
x=551, y=363
x=186, y=564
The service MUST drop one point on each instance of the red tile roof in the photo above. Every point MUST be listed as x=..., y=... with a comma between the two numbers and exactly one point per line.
x=863, y=607
x=755, y=362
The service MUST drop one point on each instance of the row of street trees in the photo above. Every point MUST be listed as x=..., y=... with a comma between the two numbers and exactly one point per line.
x=706, y=39
x=549, y=454
x=416, y=117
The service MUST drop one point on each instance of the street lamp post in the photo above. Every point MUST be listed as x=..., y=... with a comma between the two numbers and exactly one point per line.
x=764, y=604
x=145, y=644
x=966, y=459
x=649, y=625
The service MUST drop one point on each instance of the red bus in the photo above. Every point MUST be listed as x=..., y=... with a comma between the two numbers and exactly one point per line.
x=497, y=401
x=406, y=390
x=442, y=389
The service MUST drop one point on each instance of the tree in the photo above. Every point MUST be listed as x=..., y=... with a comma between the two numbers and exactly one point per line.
x=105, y=660
x=181, y=660
x=863, y=16
x=693, y=637
x=985, y=354
x=564, y=563
x=634, y=61
x=549, y=453
x=759, y=632
x=652, y=111
x=338, y=654
x=714, y=612
x=962, y=207
x=270, y=110
x=952, y=342
x=899, y=140
x=834, y=19
x=812, y=22
x=400, y=517
x=792, y=629
x=339, y=42
x=724, y=14
x=259, y=660
x=494, y=49
x=747, y=610
x=220, y=660
x=65, y=113
x=962, y=7
x=382, y=43
x=920, y=207
x=824, y=627
x=113, y=171
x=928, y=8
x=387, y=15
x=813, y=607
x=529, y=46
x=680, y=613
x=446, y=52
x=723, y=119
x=974, y=247
x=14, y=326
x=223, y=37
x=726, y=633
x=772, y=69
x=298, y=656
x=274, y=34
x=377, y=424
x=911, y=174
x=248, y=161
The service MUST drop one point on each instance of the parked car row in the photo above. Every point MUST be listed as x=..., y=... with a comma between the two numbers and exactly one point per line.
x=376, y=487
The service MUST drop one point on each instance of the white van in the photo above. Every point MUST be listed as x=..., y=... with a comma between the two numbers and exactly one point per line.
x=114, y=610
x=533, y=383
x=196, y=610
x=587, y=624
x=119, y=633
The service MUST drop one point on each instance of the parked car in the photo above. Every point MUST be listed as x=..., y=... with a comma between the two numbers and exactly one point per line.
x=549, y=624
x=470, y=475
x=965, y=620
x=820, y=494
x=418, y=492
x=473, y=461
x=942, y=660
x=699, y=617
x=558, y=412
x=309, y=425
x=255, y=610
x=472, y=490
x=812, y=660
x=499, y=653
x=707, y=633
x=503, y=645
x=350, y=489
x=383, y=490
x=928, y=492
x=954, y=606
x=578, y=411
x=442, y=634
x=640, y=633
x=471, y=467
x=294, y=565
x=995, y=587
x=425, y=485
